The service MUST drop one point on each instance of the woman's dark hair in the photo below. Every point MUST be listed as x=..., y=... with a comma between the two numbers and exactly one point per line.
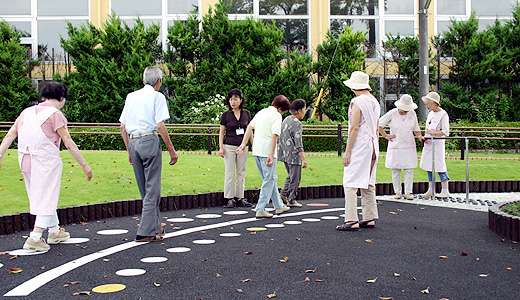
x=281, y=102
x=54, y=90
x=296, y=105
x=235, y=92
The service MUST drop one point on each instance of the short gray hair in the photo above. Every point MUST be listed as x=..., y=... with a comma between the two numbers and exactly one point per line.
x=151, y=75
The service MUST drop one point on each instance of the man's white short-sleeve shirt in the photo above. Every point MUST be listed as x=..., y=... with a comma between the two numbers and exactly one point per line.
x=143, y=109
x=267, y=122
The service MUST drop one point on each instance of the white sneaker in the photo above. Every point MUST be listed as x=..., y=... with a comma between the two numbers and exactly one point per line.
x=397, y=196
x=282, y=209
x=294, y=203
x=408, y=196
x=55, y=238
x=263, y=214
x=443, y=195
x=427, y=194
x=36, y=245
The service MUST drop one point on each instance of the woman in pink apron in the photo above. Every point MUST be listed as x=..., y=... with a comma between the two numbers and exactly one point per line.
x=40, y=130
x=402, y=151
x=437, y=124
x=360, y=158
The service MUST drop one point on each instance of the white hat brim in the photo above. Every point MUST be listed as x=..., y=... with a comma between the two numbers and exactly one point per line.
x=356, y=86
x=405, y=107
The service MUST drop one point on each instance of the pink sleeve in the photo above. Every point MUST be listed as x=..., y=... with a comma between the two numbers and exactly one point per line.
x=58, y=120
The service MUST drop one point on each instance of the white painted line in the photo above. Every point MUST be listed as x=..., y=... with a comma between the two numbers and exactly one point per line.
x=36, y=282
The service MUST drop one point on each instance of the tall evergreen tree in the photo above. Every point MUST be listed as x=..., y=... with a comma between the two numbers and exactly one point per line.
x=212, y=56
x=109, y=64
x=349, y=58
x=16, y=90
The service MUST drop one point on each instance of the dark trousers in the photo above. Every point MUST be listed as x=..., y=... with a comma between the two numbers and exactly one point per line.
x=294, y=176
x=146, y=155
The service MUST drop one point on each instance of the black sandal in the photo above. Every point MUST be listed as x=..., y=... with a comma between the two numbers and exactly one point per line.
x=154, y=238
x=347, y=227
x=364, y=224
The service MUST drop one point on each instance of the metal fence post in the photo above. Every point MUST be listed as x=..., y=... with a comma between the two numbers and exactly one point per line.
x=209, y=140
x=462, y=145
x=340, y=140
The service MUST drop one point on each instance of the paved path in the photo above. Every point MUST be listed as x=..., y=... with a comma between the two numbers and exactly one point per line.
x=416, y=246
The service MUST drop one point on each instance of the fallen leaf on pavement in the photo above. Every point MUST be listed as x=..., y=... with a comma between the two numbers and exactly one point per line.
x=240, y=291
x=246, y=280
x=372, y=280
x=73, y=282
x=483, y=275
x=413, y=278
x=386, y=298
x=14, y=257
x=249, y=252
x=15, y=270
x=393, y=213
x=397, y=274
x=464, y=253
x=218, y=275
x=426, y=291
x=156, y=284
x=81, y=293
x=42, y=268
x=368, y=241
x=271, y=295
x=284, y=260
x=310, y=271
x=443, y=256
x=319, y=280
x=307, y=279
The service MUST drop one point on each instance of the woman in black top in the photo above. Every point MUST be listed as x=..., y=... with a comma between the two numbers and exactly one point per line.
x=233, y=124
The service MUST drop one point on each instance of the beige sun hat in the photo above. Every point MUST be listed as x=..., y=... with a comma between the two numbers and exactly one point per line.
x=433, y=96
x=358, y=81
x=405, y=103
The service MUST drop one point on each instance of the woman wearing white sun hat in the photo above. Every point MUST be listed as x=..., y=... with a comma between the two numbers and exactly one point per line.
x=437, y=124
x=401, y=152
x=360, y=158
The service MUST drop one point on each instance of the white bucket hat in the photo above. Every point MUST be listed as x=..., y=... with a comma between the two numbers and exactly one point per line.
x=405, y=103
x=433, y=96
x=358, y=81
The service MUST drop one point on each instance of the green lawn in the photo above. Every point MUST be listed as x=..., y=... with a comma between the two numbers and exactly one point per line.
x=114, y=179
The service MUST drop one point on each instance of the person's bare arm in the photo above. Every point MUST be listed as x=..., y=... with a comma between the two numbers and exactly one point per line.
x=166, y=139
x=74, y=151
x=247, y=136
x=7, y=141
x=270, y=158
x=221, y=150
x=352, y=134
x=304, y=160
x=124, y=134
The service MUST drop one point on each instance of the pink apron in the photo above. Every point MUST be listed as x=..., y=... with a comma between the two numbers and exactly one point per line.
x=358, y=173
x=43, y=182
x=433, y=122
x=402, y=151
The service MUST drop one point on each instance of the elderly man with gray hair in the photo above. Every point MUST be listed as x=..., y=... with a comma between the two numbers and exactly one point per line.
x=142, y=120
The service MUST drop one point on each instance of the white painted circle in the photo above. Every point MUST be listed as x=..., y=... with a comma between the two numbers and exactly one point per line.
x=23, y=252
x=130, y=272
x=1, y=265
x=292, y=222
x=180, y=220
x=154, y=259
x=208, y=216
x=310, y=220
x=274, y=225
x=178, y=249
x=204, y=242
x=235, y=212
x=75, y=241
x=329, y=218
x=230, y=234
x=112, y=231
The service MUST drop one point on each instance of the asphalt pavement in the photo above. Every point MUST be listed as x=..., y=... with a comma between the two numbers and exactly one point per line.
x=416, y=251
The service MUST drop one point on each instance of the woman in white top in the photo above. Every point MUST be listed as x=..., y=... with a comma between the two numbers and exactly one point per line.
x=360, y=158
x=401, y=152
x=437, y=124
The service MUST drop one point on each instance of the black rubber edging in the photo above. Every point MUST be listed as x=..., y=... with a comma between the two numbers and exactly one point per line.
x=92, y=212
x=505, y=225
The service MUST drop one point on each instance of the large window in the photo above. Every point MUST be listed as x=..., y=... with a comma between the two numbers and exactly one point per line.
x=493, y=8
x=375, y=17
x=42, y=22
x=451, y=7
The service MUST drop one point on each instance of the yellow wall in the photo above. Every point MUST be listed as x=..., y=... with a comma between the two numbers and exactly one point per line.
x=319, y=21
x=99, y=12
